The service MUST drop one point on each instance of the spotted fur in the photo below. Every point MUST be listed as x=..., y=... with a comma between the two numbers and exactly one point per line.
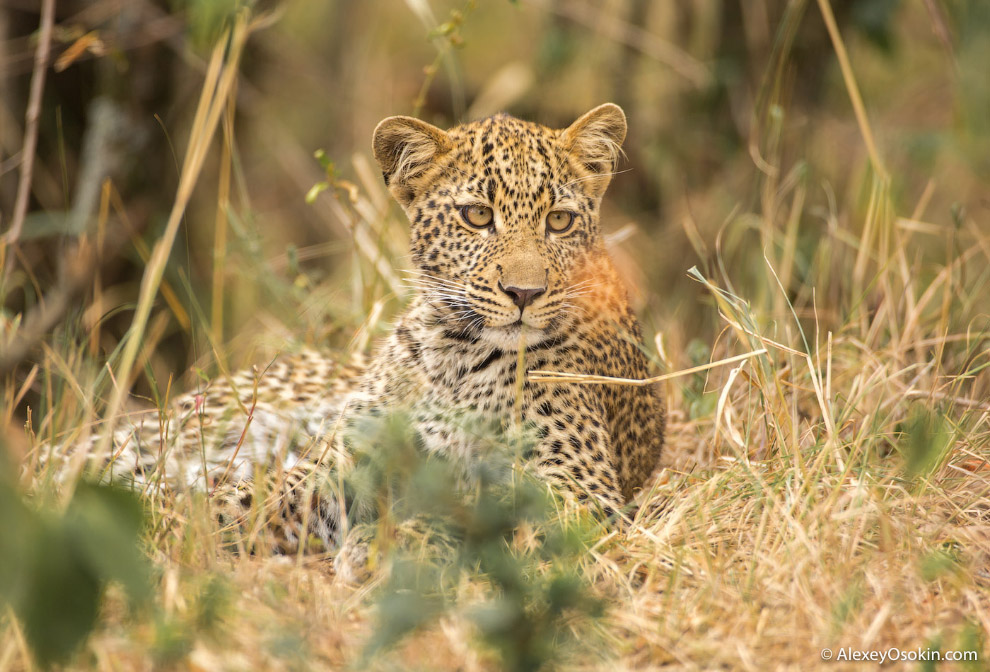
x=483, y=295
x=457, y=345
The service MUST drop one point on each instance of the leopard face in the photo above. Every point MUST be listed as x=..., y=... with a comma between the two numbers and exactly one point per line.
x=504, y=217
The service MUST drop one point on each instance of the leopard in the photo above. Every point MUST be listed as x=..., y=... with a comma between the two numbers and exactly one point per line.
x=511, y=274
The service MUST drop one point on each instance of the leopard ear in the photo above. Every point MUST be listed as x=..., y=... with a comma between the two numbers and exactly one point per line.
x=405, y=148
x=594, y=142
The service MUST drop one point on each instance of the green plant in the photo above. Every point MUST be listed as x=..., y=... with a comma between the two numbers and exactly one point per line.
x=57, y=564
x=479, y=516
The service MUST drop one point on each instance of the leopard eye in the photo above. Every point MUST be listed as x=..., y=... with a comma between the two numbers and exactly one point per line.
x=560, y=221
x=477, y=216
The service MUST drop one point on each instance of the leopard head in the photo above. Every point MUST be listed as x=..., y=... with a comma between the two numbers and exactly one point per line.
x=504, y=217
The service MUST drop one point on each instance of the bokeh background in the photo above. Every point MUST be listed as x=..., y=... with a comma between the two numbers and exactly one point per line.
x=735, y=110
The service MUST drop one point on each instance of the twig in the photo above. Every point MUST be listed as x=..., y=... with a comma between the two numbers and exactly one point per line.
x=585, y=379
x=31, y=121
x=240, y=441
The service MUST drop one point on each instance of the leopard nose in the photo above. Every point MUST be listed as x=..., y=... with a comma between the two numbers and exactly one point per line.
x=523, y=296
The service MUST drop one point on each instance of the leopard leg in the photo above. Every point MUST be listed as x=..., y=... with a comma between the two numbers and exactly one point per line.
x=283, y=513
x=578, y=455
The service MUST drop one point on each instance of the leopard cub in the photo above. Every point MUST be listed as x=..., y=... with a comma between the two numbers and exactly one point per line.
x=509, y=259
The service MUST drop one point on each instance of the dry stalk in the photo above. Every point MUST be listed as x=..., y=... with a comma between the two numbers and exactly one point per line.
x=539, y=376
x=218, y=85
x=852, y=88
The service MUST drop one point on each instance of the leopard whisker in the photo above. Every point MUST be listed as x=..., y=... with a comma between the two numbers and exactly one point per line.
x=420, y=275
x=445, y=292
x=428, y=284
x=585, y=284
x=596, y=176
x=442, y=291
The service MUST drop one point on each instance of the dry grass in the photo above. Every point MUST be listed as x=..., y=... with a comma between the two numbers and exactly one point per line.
x=830, y=489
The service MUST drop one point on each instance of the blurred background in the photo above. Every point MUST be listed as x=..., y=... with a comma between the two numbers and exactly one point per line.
x=742, y=143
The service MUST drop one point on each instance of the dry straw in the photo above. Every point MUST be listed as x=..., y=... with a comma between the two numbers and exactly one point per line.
x=218, y=86
x=539, y=376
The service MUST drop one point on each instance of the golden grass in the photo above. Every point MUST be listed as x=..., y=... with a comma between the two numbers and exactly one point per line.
x=220, y=78
x=797, y=513
x=740, y=556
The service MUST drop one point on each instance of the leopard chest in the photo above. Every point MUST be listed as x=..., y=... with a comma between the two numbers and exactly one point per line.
x=467, y=373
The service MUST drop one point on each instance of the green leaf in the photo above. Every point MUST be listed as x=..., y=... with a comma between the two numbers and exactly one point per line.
x=315, y=191
x=938, y=563
x=325, y=163
x=105, y=524
x=55, y=567
x=61, y=598
x=926, y=437
x=18, y=529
